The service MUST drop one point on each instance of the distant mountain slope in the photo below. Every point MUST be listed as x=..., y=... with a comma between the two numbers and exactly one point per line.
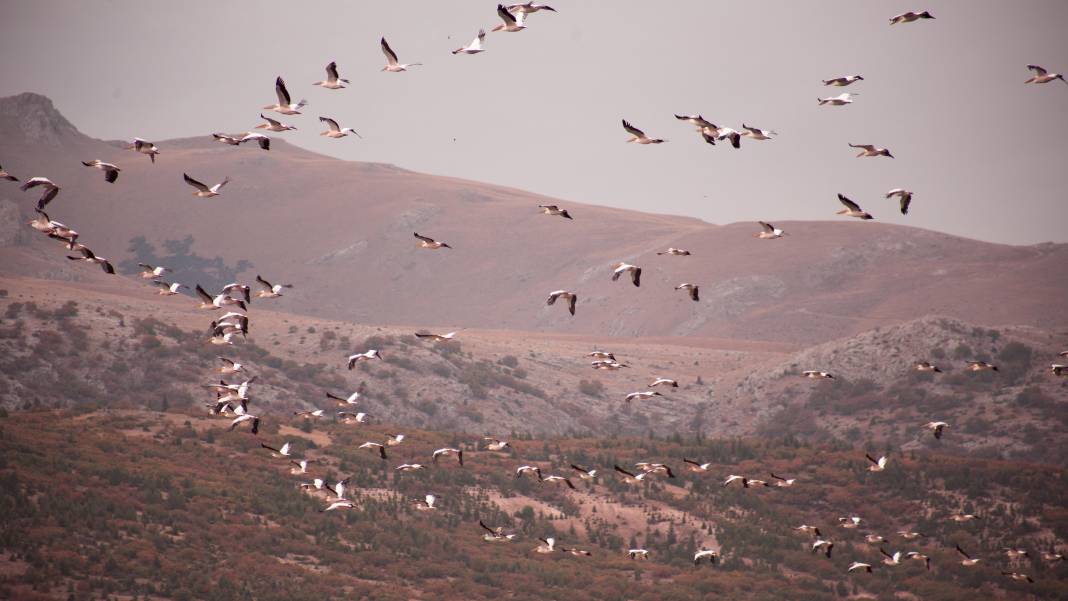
x=342, y=232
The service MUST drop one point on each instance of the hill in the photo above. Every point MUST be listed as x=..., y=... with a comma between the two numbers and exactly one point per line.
x=342, y=232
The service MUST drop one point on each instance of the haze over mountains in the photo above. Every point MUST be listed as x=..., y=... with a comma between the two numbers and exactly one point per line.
x=342, y=233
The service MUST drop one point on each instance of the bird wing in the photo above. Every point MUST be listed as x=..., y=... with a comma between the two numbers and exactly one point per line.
x=283, y=93
x=264, y=283
x=331, y=72
x=219, y=185
x=849, y=204
x=424, y=238
x=391, y=57
x=1039, y=71
x=767, y=226
x=634, y=131
x=330, y=123
x=623, y=471
x=505, y=16
x=871, y=459
x=273, y=122
x=194, y=183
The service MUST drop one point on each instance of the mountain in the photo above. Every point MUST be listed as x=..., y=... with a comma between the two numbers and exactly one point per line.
x=342, y=233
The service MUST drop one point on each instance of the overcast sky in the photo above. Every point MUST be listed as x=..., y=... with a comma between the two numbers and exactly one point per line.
x=540, y=109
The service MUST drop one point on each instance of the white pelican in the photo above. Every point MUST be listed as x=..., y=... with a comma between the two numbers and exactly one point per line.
x=655, y=468
x=891, y=560
x=350, y=400
x=606, y=355
x=1015, y=554
x=704, y=553
x=226, y=139
x=642, y=396
x=495, y=444
x=339, y=504
x=567, y=295
x=695, y=466
x=697, y=121
x=638, y=553
x=336, y=131
x=1058, y=369
x=111, y=172
x=692, y=289
x=273, y=125
x=316, y=483
x=917, y=556
x=374, y=446
x=4, y=175
x=309, y=413
x=981, y=366
x=332, y=81
x=963, y=517
x=144, y=147
x=222, y=338
x=391, y=59
x=608, y=365
x=349, y=417
x=270, y=290
x=1042, y=76
x=712, y=133
x=281, y=453
x=841, y=82
x=782, y=482
x=768, y=231
x=635, y=272
x=285, y=104
x=584, y=473
x=246, y=418
x=495, y=534
x=859, y=565
x=167, y=288
x=89, y=257
x=637, y=135
x=905, y=197
x=302, y=467
x=756, y=133
x=675, y=252
x=817, y=375
x=339, y=488
x=736, y=478
x=1018, y=577
x=664, y=381
x=446, y=452
x=909, y=535
x=555, y=211
x=393, y=440
x=410, y=467
x=968, y=561
x=49, y=193
x=839, y=100
x=849, y=523
x=528, y=469
x=511, y=22
x=425, y=242
x=240, y=288
x=936, y=428
x=548, y=546
x=577, y=552
x=150, y=272
x=909, y=17
x=475, y=46
x=1052, y=554
x=364, y=356
x=202, y=190
x=436, y=337
x=426, y=503
x=826, y=545
x=629, y=477
x=870, y=150
x=877, y=465
x=852, y=209
x=557, y=479
x=216, y=302
x=809, y=529
x=926, y=366
x=529, y=8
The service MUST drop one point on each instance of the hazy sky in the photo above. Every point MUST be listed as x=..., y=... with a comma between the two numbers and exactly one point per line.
x=541, y=109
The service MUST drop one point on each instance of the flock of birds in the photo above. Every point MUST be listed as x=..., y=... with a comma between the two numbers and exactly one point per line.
x=232, y=399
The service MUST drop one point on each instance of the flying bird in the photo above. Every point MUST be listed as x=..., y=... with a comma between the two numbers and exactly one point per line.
x=756, y=133
x=981, y=366
x=1042, y=76
x=511, y=22
x=273, y=125
x=904, y=195
x=282, y=452
x=4, y=175
x=909, y=17
x=426, y=503
x=768, y=231
x=695, y=466
x=425, y=242
x=139, y=145
x=936, y=428
x=570, y=297
x=556, y=479
x=436, y=337
x=642, y=554
x=826, y=545
x=391, y=59
x=50, y=190
x=869, y=150
x=782, y=482
x=495, y=534
x=968, y=560
x=202, y=190
x=554, y=210
x=150, y=272
x=111, y=172
x=475, y=46
x=365, y=356
x=89, y=257
x=692, y=289
x=529, y=8
x=336, y=131
x=643, y=396
x=859, y=565
x=352, y=399
x=852, y=209
x=841, y=82
x=374, y=446
x=584, y=473
x=839, y=100
x=664, y=381
x=635, y=272
x=637, y=135
x=926, y=366
x=347, y=417
x=270, y=290
x=877, y=465
x=817, y=375
x=285, y=104
x=447, y=452
x=704, y=553
x=917, y=556
x=528, y=469
x=168, y=288
x=675, y=252
x=332, y=81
